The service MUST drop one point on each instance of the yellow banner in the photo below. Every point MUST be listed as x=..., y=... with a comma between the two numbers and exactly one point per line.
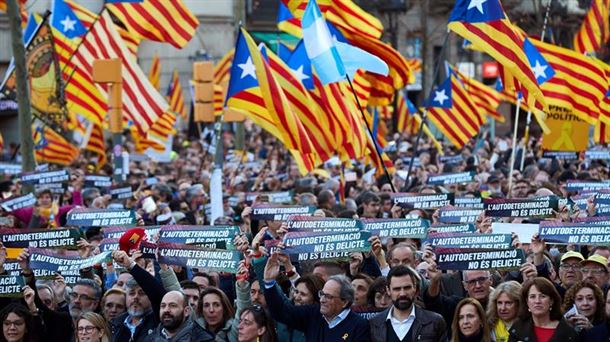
x=568, y=132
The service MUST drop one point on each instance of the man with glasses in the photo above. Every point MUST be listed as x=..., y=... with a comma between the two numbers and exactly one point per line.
x=595, y=270
x=476, y=283
x=84, y=298
x=331, y=320
x=569, y=271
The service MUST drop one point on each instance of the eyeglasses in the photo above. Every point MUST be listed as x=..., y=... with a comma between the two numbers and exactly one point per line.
x=569, y=266
x=473, y=282
x=88, y=329
x=17, y=324
x=593, y=270
x=321, y=294
x=74, y=296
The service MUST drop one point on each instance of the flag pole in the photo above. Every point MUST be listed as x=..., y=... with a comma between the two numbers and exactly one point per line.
x=526, y=135
x=368, y=128
x=513, y=152
x=424, y=116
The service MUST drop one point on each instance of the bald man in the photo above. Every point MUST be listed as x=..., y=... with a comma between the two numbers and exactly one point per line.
x=176, y=323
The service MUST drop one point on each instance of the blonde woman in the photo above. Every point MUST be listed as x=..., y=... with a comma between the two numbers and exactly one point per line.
x=503, y=309
x=92, y=327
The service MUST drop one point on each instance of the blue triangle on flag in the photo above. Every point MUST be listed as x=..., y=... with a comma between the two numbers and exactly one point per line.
x=477, y=11
x=540, y=67
x=441, y=96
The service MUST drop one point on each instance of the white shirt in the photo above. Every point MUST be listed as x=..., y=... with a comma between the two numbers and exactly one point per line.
x=401, y=328
x=338, y=319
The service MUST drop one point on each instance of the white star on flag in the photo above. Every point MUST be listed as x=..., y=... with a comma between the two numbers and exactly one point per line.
x=539, y=70
x=68, y=24
x=478, y=4
x=300, y=74
x=247, y=68
x=440, y=96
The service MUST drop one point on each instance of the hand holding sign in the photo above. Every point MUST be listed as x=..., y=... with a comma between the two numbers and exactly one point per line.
x=123, y=259
x=528, y=271
x=272, y=269
x=28, y=296
x=24, y=261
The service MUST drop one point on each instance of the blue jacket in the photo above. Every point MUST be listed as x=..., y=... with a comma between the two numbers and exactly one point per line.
x=307, y=318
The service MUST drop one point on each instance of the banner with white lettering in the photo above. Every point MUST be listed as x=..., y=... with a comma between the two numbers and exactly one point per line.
x=11, y=286
x=414, y=228
x=97, y=181
x=322, y=224
x=500, y=207
x=39, y=238
x=116, y=232
x=19, y=202
x=469, y=202
x=452, y=228
x=55, y=188
x=456, y=259
x=197, y=257
x=216, y=237
x=422, y=201
x=459, y=215
x=578, y=185
x=45, y=259
x=470, y=241
x=83, y=217
x=564, y=155
x=326, y=242
x=451, y=178
x=282, y=197
x=575, y=233
x=10, y=169
x=121, y=193
x=147, y=248
x=597, y=154
x=45, y=177
x=597, y=220
x=451, y=160
x=270, y=212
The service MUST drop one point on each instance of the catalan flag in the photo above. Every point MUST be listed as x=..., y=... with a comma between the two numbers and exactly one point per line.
x=175, y=96
x=406, y=111
x=143, y=142
x=487, y=27
x=486, y=98
x=579, y=83
x=251, y=73
x=142, y=103
x=345, y=11
x=222, y=70
x=594, y=31
x=158, y=20
x=50, y=147
x=453, y=112
x=154, y=75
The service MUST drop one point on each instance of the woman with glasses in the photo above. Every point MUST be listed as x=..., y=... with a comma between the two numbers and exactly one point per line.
x=540, y=317
x=503, y=309
x=256, y=325
x=469, y=323
x=92, y=327
x=583, y=305
x=18, y=325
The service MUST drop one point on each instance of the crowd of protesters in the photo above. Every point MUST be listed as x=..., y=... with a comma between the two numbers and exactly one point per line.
x=559, y=294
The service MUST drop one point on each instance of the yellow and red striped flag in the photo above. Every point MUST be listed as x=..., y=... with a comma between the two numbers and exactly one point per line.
x=251, y=73
x=594, y=31
x=142, y=103
x=488, y=29
x=22, y=10
x=157, y=20
x=175, y=96
x=453, y=112
x=50, y=147
x=486, y=98
x=579, y=83
x=222, y=70
x=154, y=74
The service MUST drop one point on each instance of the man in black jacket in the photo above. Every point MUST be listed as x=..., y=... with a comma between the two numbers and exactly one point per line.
x=404, y=321
x=177, y=324
x=144, y=295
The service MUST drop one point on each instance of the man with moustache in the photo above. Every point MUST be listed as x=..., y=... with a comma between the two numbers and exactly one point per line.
x=176, y=323
x=404, y=321
x=143, y=301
